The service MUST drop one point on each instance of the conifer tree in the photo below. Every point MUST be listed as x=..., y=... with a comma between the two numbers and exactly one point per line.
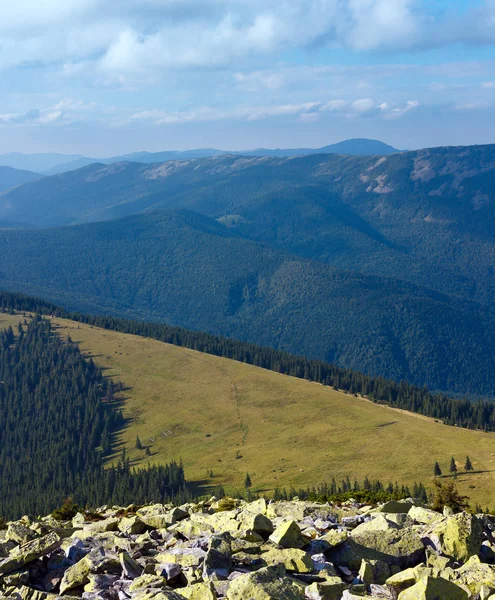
x=437, y=471
x=468, y=466
x=247, y=482
x=453, y=467
x=139, y=446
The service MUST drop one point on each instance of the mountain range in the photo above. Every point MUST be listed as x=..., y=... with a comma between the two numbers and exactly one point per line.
x=52, y=164
x=381, y=264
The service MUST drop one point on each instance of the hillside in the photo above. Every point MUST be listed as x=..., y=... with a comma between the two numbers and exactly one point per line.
x=10, y=178
x=419, y=216
x=208, y=410
x=185, y=269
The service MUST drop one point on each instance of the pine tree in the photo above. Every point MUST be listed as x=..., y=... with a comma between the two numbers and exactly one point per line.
x=453, y=467
x=139, y=446
x=437, y=471
x=468, y=466
x=247, y=482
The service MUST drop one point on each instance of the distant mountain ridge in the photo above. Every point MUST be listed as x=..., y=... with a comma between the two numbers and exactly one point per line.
x=53, y=164
x=10, y=178
x=186, y=269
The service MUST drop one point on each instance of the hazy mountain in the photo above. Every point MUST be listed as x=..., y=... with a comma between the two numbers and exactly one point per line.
x=355, y=147
x=36, y=162
x=10, y=178
x=423, y=216
x=189, y=270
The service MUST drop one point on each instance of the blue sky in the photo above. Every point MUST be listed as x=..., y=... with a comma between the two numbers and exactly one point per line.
x=103, y=77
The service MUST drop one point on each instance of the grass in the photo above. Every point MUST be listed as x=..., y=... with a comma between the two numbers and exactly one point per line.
x=230, y=418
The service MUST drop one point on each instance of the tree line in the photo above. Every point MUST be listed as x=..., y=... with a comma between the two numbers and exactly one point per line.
x=479, y=414
x=59, y=425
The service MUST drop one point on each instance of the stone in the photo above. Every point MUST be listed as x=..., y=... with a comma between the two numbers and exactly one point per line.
x=288, y=535
x=218, y=560
x=76, y=576
x=379, y=523
x=185, y=557
x=26, y=553
x=394, y=506
x=460, y=536
x=132, y=525
x=256, y=522
x=293, y=559
x=405, y=579
x=270, y=583
x=20, y=533
x=147, y=581
x=424, y=515
x=474, y=575
x=330, y=590
x=130, y=568
x=333, y=538
x=430, y=588
x=401, y=547
x=199, y=591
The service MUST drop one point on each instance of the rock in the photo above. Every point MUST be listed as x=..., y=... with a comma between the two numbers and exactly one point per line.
x=474, y=575
x=185, y=557
x=292, y=559
x=99, y=582
x=379, y=523
x=330, y=590
x=199, y=591
x=405, y=579
x=76, y=550
x=26, y=553
x=20, y=533
x=394, y=506
x=256, y=522
x=147, y=581
x=401, y=547
x=132, y=525
x=218, y=560
x=424, y=515
x=288, y=535
x=429, y=588
x=76, y=576
x=270, y=583
x=460, y=536
x=130, y=568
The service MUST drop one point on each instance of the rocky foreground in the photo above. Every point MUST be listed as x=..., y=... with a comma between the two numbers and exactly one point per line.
x=251, y=551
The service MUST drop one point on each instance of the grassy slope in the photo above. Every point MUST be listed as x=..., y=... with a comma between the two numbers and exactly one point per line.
x=287, y=430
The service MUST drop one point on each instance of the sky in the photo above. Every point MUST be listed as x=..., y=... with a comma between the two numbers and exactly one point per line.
x=107, y=77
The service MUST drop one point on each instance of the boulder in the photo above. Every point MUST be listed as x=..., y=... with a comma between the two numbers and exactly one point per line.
x=330, y=590
x=293, y=559
x=401, y=547
x=218, y=560
x=425, y=516
x=270, y=583
x=132, y=525
x=256, y=522
x=26, y=553
x=76, y=576
x=146, y=581
x=430, y=588
x=199, y=591
x=130, y=568
x=288, y=535
x=396, y=506
x=405, y=579
x=460, y=536
x=474, y=575
x=379, y=523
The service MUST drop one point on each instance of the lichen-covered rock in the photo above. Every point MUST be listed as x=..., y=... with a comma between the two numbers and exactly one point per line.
x=293, y=559
x=424, y=515
x=405, y=579
x=379, y=523
x=76, y=576
x=474, y=575
x=147, y=581
x=256, y=522
x=199, y=591
x=218, y=560
x=270, y=583
x=288, y=535
x=460, y=536
x=401, y=547
x=26, y=553
x=430, y=588
x=330, y=590
x=394, y=506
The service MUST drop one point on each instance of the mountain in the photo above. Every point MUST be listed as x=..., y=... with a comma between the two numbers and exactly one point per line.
x=424, y=216
x=186, y=269
x=10, y=178
x=36, y=162
x=354, y=147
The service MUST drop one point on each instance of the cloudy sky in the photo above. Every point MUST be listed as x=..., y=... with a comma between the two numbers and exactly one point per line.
x=103, y=77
